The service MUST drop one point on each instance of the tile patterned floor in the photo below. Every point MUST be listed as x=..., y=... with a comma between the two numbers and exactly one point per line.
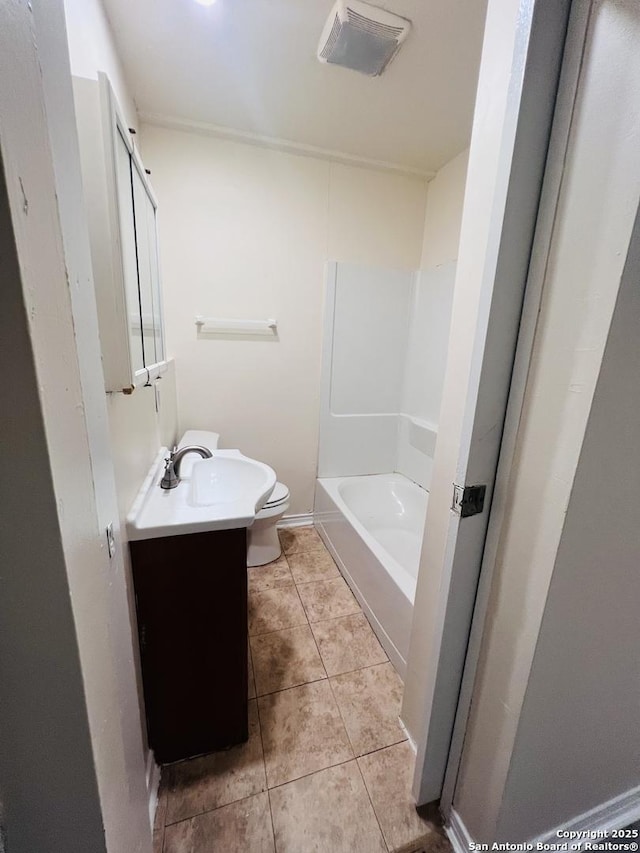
x=327, y=767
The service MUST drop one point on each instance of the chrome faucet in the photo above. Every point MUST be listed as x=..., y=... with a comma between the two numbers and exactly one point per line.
x=171, y=476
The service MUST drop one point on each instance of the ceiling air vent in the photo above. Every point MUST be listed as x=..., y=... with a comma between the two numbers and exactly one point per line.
x=362, y=37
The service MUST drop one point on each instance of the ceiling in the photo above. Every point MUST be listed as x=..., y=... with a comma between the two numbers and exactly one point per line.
x=250, y=65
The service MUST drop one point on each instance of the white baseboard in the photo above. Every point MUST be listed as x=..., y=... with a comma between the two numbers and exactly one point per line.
x=458, y=833
x=153, y=785
x=410, y=740
x=616, y=813
x=304, y=519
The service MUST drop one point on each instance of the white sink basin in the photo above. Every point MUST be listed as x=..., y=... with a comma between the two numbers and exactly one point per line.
x=228, y=478
x=222, y=493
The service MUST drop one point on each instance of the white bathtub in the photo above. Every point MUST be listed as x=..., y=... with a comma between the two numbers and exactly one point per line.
x=373, y=527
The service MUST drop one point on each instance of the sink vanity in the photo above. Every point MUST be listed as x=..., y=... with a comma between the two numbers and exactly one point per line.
x=189, y=557
x=188, y=538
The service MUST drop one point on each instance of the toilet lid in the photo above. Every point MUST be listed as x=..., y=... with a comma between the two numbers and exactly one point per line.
x=279, y=495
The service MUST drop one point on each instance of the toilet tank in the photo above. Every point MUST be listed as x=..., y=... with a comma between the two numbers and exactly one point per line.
x=200, y=436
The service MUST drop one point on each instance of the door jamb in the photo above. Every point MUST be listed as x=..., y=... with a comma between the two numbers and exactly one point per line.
x=571, y=66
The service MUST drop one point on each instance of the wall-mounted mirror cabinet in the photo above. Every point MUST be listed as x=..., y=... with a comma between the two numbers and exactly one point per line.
x=122, y=214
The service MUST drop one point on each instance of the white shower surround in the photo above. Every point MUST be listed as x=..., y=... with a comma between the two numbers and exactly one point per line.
x=385, y=341
x=373, y=527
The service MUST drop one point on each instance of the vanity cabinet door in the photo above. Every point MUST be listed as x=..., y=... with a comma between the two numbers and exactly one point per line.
x=191, y=604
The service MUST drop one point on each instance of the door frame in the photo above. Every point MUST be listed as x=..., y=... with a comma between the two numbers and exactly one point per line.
x=571, y=60
x=442, y=688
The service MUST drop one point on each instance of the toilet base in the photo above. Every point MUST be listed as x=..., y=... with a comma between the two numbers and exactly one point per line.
x=263, y=542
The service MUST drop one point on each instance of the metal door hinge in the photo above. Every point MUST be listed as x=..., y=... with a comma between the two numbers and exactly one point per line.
x=468, y=500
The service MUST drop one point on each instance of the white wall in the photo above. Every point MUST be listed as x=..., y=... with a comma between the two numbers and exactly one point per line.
x=561, y=615
x=443, y=215
x=428, y=337
x=138, y=431
x=92, y=49
x=246, y=232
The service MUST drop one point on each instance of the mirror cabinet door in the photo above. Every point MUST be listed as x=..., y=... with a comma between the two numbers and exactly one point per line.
x=129, y=253
x=140, y=203
x=155, y=279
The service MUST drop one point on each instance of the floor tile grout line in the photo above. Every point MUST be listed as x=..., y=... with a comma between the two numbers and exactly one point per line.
x=290, y=626
x=313, y=773
x=273, y=585
x=325, y=677
x=273, y=827
x=373, y=808
x=335, y=700
x=338, y=577
x=352, y=613
x=239, y=799
x=356, y=754
x=366, y=666
x=351, y=758
x=315, y=622
x=322, y=663
x=264, y=766
x=380, y=748
x=334, y=618
x=267, y=788
x=253, y=672
x=315, y=642
x=293, y=686
x=166, y=809
x=217, y=808
x=344, y=724
x=277, y=630
x=360, y=668
x=317, y=580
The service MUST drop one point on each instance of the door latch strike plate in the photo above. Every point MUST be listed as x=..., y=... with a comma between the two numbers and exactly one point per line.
x=468, y=500
x=111, y=542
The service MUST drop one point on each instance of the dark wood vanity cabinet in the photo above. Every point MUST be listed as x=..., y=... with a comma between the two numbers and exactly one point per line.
x=191, y=602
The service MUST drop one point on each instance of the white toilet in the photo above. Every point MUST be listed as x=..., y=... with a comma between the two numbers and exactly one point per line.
x=263, y=545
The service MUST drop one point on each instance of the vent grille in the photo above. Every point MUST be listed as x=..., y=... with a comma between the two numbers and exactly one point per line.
x=326, y=52
x=362, y=37
x=373, y=27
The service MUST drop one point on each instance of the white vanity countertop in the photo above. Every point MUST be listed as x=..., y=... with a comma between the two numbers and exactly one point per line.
x=160, y=512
